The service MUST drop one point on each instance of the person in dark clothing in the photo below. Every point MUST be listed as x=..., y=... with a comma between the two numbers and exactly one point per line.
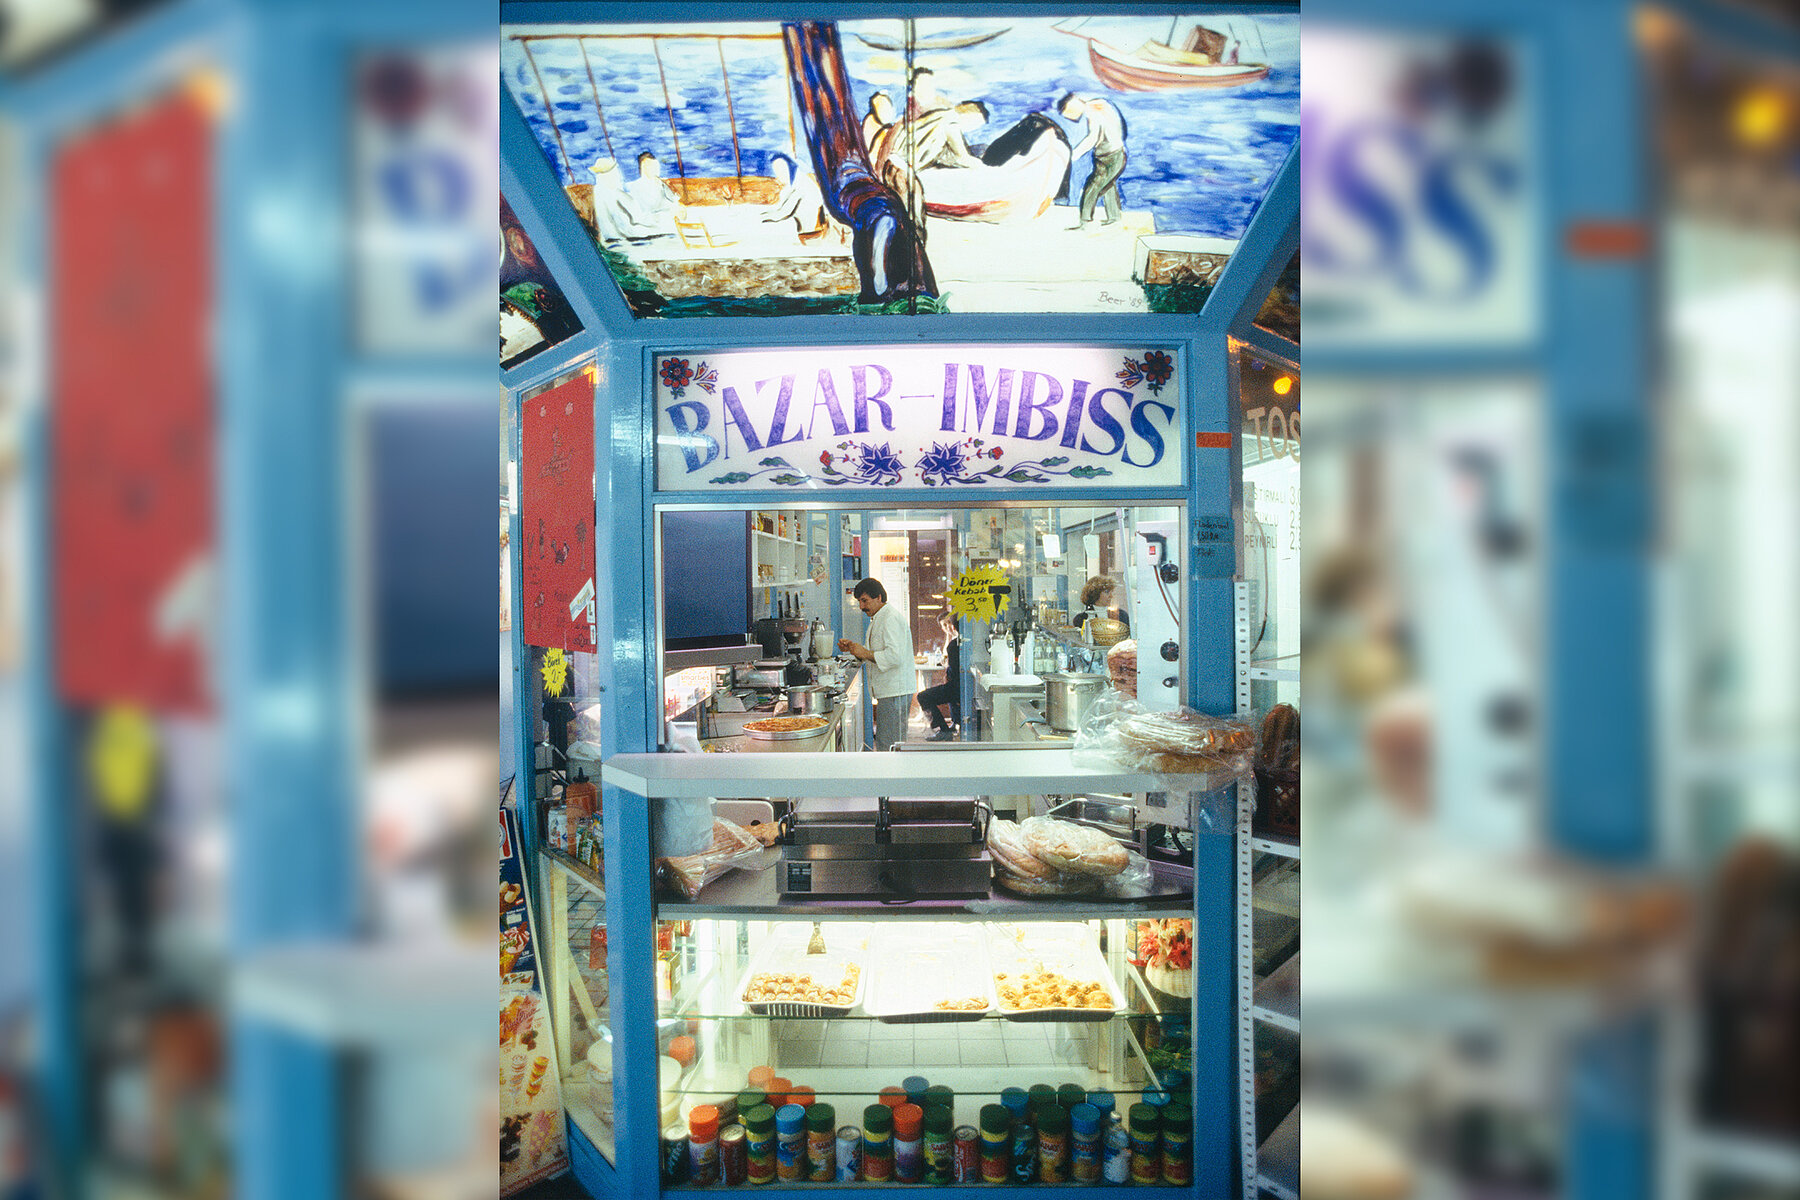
x=948, y=692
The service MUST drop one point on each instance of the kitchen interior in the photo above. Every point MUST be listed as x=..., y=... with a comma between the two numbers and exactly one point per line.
x=1029, y=666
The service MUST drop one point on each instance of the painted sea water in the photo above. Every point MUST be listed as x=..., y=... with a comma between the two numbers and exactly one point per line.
x=716, y=104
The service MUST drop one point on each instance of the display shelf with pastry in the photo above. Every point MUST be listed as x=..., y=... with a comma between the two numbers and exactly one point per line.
x=929, y=972
x=1050, y=971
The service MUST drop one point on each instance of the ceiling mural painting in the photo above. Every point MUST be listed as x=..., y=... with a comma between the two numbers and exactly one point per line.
x=1013, y=165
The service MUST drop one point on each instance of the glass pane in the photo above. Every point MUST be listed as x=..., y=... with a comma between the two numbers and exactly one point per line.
x=534, y=313
x=572, y=883
x=1073, y=589
x=955, y=164
x=1280, y=313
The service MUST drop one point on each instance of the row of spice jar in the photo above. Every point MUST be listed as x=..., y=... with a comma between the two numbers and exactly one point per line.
x=1040, y=1135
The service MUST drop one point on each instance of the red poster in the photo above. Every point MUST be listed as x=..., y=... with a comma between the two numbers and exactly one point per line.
x=556, y=516
x=132, y=407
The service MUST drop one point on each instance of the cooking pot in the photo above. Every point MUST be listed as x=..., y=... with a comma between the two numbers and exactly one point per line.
x=1067, y=696
x=812, y=698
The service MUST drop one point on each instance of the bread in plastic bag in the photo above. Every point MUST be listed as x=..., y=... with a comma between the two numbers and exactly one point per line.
x=1196, y=752
x=1020, y=871
x=1072, y=848
x=1132, y=883
x=732, y=846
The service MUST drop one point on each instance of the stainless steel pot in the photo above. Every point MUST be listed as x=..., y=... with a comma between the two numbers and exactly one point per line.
x=1067, y=697
x=812, y=698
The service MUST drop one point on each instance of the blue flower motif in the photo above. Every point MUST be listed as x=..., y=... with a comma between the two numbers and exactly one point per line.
x=942, y=460
x=877, y=465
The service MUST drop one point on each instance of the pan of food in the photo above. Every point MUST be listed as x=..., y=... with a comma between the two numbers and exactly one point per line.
x=785, y=729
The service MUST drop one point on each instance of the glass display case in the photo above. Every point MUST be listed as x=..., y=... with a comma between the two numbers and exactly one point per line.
x=841, y=1016
x=842, y=1009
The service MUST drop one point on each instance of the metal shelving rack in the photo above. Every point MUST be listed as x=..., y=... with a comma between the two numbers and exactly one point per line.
x=1273, y=1167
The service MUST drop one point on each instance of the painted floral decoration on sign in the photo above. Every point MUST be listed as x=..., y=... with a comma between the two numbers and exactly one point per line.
x=1156, y=369
x=676, y=375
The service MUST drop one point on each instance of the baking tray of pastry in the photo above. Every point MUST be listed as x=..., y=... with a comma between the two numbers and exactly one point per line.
x=929, y=971
x=1050, y=972
x=783, y=980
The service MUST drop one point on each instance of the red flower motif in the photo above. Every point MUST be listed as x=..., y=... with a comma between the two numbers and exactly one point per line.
x=825, y=457
x=676, y=373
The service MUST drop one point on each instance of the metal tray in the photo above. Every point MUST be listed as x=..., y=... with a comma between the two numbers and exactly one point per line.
x=785, y=950
x=1067, y=949
x=916, y=964
x=797, y=735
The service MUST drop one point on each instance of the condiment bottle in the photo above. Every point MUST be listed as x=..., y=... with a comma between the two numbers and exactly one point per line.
x=1105, y=1103
x=996, y=1143
x=790, y=1142
x=878, y=1143
x=820, y=1163
x=1071, y=1094
x=802, y=1095
x=1084, y=1166
x=939, y=1156
x=939, y=1095
x=1146, y=1144
x=759, y=1078
x=748, y=1099
x=893, y=1096
x=1053, y=1143
x=581, y=796
x=909, y=1149
x=1177, y=1144
x=778, y=1089
x=1039, y=1095
x=915, y=1087
x=703, y=1145
x=759, y=1136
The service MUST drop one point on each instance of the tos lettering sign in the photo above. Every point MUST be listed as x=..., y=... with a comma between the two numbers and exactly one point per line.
x=993, y=417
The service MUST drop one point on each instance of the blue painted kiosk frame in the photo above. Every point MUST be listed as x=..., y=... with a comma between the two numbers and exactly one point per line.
x=620, y=348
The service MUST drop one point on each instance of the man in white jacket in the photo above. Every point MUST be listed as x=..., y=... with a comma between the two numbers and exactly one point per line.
x=890, y=658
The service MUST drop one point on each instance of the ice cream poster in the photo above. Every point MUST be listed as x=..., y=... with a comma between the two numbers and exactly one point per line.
x=533, y=1138
x=982, y=418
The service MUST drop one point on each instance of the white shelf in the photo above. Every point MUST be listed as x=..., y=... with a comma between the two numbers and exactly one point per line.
x=1278, y=1159
x=1284, y=669
x=1278, y=997
x=1285, y=847
x=790, y=775
x=367, y=993
x=1745, y=1157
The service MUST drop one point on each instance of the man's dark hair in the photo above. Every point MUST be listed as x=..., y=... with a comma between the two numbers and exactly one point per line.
x=646, y=154
x=1063, y=102
x=870, y=587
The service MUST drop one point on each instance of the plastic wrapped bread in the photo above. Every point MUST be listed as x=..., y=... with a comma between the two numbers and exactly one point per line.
x=732, y=846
